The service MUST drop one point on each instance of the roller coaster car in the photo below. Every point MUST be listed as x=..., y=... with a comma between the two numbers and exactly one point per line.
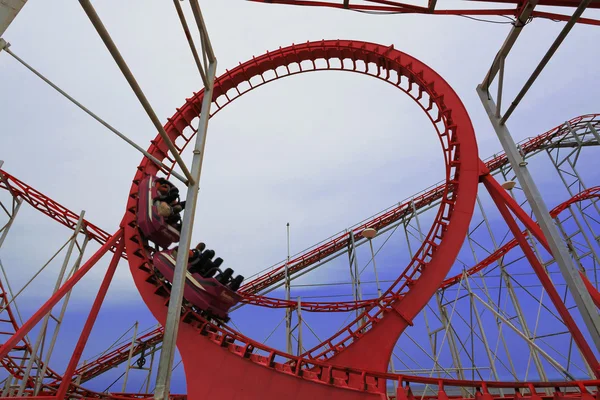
x=207, y=294
x=153, y=226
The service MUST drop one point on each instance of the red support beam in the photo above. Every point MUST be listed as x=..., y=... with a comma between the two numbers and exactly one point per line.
x=535, y=229
x=499, y=196
x=493, y=186
x=56, y=297
x=561, y=17
x=389, y=7
x=91, y=320
x=33, y=398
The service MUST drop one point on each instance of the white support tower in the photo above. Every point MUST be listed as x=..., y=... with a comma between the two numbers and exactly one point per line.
x=8, y=11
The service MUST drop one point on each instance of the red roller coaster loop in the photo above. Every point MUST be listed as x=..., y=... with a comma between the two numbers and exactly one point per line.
x=417, y=283
x=240, y=365
x=41, y=202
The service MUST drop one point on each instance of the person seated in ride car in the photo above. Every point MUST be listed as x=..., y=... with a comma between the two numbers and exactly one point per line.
x=193, y=254
x=167, y=202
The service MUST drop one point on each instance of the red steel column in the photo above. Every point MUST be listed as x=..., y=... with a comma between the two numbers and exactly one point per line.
x=535, y=229
x=498, y=195
x=91, y=320
x=68, y=285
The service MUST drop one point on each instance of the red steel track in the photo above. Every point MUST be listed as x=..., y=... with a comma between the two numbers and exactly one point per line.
x=51, y=208
x=429, y=7
x=591, y=193
x=12, y=362
x=403, y=210
x=69, y=219
x=120, y=355
x=229, y=372
x=431, y=263
x=312, y=255
x=240, y=365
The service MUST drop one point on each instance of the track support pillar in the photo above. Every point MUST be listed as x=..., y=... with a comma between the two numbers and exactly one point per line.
x=167, y=354
x=501, y=199
x=558, y=248
x=91, y=320
x=69, y=284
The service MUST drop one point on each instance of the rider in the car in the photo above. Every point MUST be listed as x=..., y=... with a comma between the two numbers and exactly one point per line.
x=168, y=203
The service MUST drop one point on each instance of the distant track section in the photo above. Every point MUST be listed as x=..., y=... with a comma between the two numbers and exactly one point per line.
x=51, y=208
x=404, y=210
x=317, y=253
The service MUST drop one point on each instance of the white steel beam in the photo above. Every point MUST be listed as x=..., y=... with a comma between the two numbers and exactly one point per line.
x=61, y=315
x=558, y=248
x=509, y=42
x=5, y=46
x=43, y=329
x=8, y=11
x=129, y=357
x=514, y=300
x=112, y=48
x=488, y=351
x=288, y=311
x=530, y=342
x=163, y=378
x=557, y=42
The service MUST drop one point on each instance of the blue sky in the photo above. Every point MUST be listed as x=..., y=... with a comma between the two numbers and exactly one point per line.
x=321, y=151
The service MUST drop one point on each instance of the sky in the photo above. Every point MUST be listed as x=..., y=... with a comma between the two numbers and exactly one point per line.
x=321, y=151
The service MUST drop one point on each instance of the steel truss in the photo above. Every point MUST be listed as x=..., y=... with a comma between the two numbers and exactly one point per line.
x=414, y=225
x=498, y=119
x=313, y=364
x=394, y=7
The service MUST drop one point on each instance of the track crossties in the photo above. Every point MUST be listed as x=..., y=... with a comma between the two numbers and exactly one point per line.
x=403, y=300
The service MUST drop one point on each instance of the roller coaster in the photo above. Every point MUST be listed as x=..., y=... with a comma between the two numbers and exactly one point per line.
x=196, y=303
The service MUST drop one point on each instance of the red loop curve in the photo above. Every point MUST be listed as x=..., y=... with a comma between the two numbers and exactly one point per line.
x=212, y=370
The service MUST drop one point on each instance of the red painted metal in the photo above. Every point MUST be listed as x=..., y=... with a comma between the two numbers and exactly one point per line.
x=313, y=255
x=553, y=3
x=504, y=202
x=12, y=362
x=564, y=18
x=51, y=208
x=389, y=7
x=310, y=376
x=56, y=297
x=593, y=192
x=404, y=209
x=416, y=283
x=116, y=357
x=91, y=320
